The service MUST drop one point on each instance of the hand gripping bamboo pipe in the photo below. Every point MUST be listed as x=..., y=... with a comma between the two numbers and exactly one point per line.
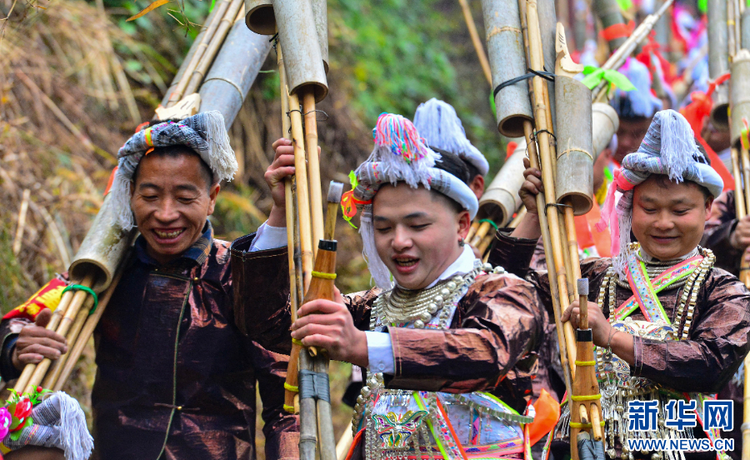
x=313, y=381
x=564, y=333
x=586, y=410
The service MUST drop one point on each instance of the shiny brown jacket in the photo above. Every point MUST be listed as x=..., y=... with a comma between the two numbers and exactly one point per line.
x=718, y=338
x=718, y=233
x=176, y=379
x=491, y=345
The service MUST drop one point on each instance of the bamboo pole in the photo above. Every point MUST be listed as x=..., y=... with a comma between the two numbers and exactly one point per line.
x=484, y=227
x=291, y=403
x=59, y=363
x=196, y=77
x=313, y=165
x=476, y=41
x=206, y=38
x=567, y=353
x=540, y=108
x=303, y=194
x=78, y=299
x=88, y=329
x=472, y=230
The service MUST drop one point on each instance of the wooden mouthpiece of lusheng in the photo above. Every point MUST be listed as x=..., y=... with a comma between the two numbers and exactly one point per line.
x=335, y=191
x=302, y=53
x=507, y=61
x=501, y=199
x=739, y=96
x=574, y=181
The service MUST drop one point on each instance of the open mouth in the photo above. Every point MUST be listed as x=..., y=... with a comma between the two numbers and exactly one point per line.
x=406, y=262
x=168, y=234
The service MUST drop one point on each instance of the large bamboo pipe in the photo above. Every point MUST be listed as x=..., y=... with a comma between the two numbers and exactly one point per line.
x=567, y=352
x=83, y=337
x=543, y=128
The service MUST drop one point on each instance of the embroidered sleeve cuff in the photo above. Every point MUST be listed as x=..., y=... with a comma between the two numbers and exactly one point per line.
x=380, y=352
x=268, y=237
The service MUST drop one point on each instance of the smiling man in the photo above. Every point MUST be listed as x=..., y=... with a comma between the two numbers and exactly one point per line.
x=667, y=323
x=176, y=379
x=439, y=323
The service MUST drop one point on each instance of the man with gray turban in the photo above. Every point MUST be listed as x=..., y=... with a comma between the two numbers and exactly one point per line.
x=667, y=324
x=176, y=376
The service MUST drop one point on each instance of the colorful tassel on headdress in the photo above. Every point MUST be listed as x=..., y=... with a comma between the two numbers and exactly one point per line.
x=403, y=154
x=400, y=137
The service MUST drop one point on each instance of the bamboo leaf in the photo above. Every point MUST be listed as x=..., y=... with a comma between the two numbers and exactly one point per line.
x=148, y=9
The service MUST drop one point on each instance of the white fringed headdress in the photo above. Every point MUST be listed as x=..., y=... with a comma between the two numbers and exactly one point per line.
x=669, y=148
x=400, y=155
x=439, y=125
x=204, y=133
x=638, y=102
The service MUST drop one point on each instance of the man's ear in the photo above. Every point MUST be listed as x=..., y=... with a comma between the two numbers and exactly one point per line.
x=464, y=223
x=212, y=194
x=477, y=185
x=709, y=206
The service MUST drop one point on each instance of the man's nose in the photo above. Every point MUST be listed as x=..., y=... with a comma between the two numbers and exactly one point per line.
x=664, y=221
x=166, y=211
x=402, y=239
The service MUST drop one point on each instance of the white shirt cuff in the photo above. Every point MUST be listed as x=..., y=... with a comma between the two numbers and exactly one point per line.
x=267, y=237
x=380, y=352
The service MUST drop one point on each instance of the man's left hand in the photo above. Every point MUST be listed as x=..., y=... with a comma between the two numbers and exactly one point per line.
x=328, y=324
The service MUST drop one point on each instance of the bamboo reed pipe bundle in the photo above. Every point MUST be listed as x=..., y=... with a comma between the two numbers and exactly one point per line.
x=313, y=165
x=196, y=77
x=57, y=366
x=544, y=142
x=206, y=38
x=86, y=332
x=567, y=352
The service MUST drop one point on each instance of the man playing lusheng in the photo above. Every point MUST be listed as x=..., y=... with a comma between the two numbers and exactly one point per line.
x=448, y=325
x=686, y=330
x=175, y=378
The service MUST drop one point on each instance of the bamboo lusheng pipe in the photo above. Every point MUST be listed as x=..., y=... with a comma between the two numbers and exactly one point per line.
x=66, y=322
x=476, y=41
x=234, y=13
x=57, y=366
x=566, y=349
x=295, y=277
x=585, y=401
x=321, y=287
x=88, y=329
x=484, y=227
x=303, y=194
x=313, y=164
x=57, y=315
x=472, y=230
x=543, y=128
x=617, y=59
x=205, y=40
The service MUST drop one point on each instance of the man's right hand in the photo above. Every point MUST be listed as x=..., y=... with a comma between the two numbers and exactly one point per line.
x=36, y=343
x=740, y=238
x=281, y=168
x=531, y=187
